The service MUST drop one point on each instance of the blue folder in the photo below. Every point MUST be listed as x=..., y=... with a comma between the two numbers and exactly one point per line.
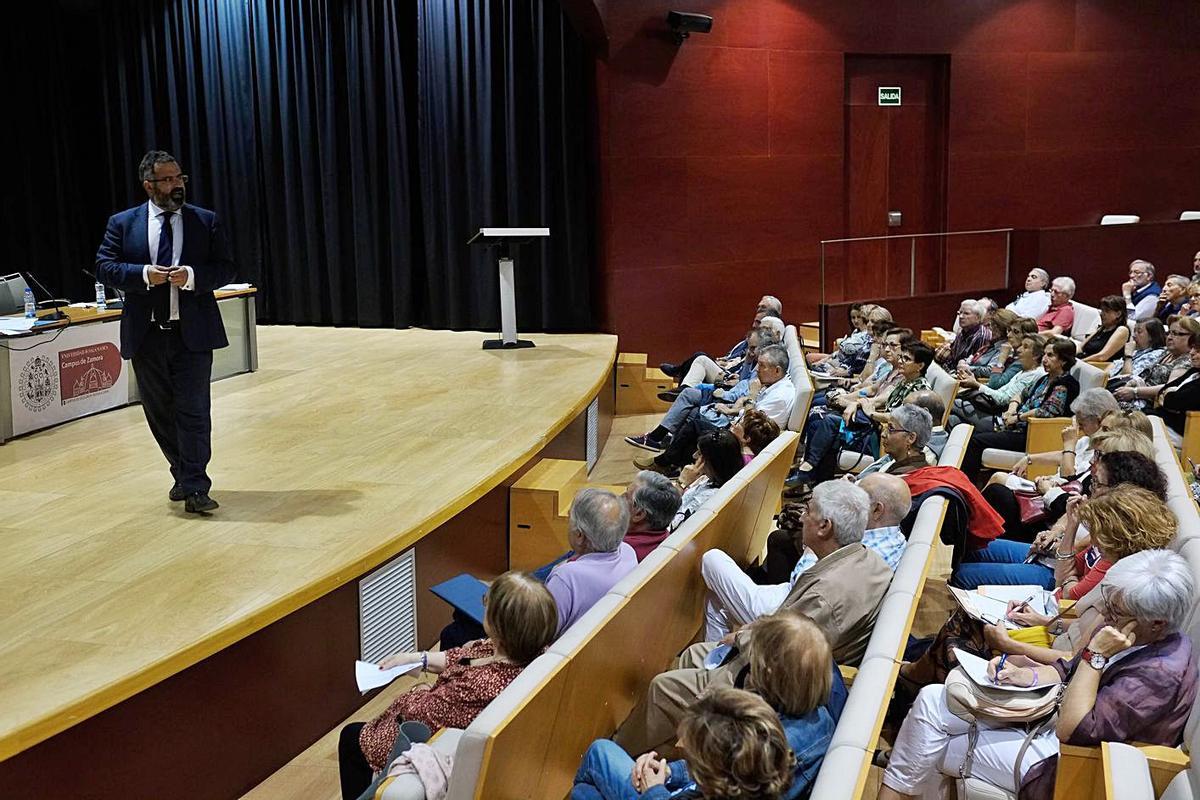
x=465, y=593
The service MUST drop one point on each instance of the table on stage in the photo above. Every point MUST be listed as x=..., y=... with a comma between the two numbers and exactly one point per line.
x=67, y=369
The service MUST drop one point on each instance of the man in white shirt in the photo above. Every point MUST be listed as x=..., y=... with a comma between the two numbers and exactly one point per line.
x=775, y=399
x=1034, y=301
x=735, y=600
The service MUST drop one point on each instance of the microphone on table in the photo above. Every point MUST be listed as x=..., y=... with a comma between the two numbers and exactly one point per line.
x=56, y=303
x=118, y=301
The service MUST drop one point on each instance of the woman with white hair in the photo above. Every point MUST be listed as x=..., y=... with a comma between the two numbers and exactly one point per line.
x=1034, y=301
x=1135, y=681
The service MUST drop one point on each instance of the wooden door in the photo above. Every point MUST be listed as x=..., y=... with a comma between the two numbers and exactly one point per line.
x=895, y=162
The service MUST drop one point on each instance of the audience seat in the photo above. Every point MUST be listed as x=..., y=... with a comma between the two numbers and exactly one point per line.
x=800, y=377
x=1119, y=219
x=1087, y=319
x=945, y=386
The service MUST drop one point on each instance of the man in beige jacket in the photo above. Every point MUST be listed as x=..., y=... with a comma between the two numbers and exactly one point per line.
x=841, y=593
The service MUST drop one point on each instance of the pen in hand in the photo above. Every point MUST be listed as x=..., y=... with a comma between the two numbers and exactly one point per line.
x=999, y=666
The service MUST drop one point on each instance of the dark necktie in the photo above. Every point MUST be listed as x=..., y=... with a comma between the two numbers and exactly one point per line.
x=166, y=255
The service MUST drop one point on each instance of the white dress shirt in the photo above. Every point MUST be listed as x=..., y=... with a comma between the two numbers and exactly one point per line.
x=1030, y=304
x=154, y=229
x=776, y=401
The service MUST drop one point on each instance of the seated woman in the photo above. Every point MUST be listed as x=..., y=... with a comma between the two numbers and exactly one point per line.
x=1003, y=561
x=1139, y=392
x=1074, y=462
x=981, y=404
x=855, y=348
x=852, y=363
x=1135, y=681
x=857, y=313
x=1049, y=396
x=903, y=438
x=520, y=621
x=1144, y=350
x=1107, y=341
x=796, y=686
x=1179, y=396
x=754, y=430
x=860, y=417
x=880, y=380
x=1086, y=561
x=718, y=458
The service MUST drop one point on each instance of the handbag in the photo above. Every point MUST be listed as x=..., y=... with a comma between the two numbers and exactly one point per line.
x=1030, y=505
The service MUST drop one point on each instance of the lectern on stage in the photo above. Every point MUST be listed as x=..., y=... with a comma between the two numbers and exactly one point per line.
x=504, y=239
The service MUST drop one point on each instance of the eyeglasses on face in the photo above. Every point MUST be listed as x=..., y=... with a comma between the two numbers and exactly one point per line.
x=180, y=179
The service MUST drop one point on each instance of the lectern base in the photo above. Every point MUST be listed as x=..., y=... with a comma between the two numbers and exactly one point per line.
x=500, y=344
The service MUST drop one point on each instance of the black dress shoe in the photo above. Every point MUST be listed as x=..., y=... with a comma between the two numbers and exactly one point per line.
x=200, y=503
x=177, y=493
x=670, y=395
x=667, y=368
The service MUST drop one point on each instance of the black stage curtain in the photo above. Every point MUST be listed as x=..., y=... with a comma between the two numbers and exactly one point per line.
x=350, y=146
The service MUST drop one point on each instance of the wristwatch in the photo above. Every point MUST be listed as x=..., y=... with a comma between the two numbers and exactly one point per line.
x=1097, y=661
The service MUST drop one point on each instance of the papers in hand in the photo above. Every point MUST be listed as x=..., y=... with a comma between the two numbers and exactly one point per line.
x=990, y=603
x=1020, y=484
x=1040, y=600
x=976, y=669
x=370, y=676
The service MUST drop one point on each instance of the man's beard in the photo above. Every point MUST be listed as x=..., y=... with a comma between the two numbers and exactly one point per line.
x=170, y=201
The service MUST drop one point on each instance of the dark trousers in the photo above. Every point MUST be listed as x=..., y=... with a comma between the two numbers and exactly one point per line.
x=682, y=449
x=980, y=441
x=174, y=385
x=782, y=555
x=355, y=772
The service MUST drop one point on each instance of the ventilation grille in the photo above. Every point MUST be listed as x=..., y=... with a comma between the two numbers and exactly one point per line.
x=387, y=608
x=593, y=433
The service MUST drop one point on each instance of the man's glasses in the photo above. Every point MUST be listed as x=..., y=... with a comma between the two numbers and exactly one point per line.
x=180, y=179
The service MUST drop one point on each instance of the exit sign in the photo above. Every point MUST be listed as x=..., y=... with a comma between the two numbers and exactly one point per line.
x=889, y=95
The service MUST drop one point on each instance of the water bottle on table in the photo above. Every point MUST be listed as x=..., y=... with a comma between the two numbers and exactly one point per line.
x=30, y=304
x=101, y=304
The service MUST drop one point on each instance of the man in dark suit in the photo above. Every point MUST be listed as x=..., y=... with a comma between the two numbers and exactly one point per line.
x=168, y=258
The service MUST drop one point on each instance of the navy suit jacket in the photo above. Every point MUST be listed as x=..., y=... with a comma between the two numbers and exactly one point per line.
x=125, y=251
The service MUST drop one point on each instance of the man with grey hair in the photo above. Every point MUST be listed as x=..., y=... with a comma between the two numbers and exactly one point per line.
x=734, y=598
x=595, y=531
x=1034, y=301
x=1174, y=294
x=774, y=399
x=704, y=371
x=1141, y=291
x=972, y=335
x=653, y=499
x=841, y=593
x=1060, y=316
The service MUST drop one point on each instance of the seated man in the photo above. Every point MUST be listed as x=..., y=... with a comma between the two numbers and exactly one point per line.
x=1060, y=316
x=595, y=531
x=734, y=599
x=973, y=334
x=1141, y=291
x=704, y=375
x=1034, y=301
x=775, y=399
x=841, y=593
x=932, y=402
x=1172, y=298
x=766, y=305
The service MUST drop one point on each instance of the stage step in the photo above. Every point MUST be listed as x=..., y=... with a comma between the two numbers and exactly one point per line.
x=538, y=505
x=638, y=385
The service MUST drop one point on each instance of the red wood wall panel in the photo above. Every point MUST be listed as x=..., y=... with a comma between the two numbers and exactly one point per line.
x=723, y=161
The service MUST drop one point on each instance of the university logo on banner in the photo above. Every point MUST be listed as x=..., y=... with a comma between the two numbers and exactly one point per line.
x=86, y=370
x=62, y=375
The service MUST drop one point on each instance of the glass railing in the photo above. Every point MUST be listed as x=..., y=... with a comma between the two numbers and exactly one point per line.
x=905, y=265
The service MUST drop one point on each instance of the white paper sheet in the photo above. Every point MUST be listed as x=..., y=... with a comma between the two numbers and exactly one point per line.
x=370, y=676
x=234, y=287
x=984, y=609
x=977, y=670
x=1043, y=601
x=16, y=324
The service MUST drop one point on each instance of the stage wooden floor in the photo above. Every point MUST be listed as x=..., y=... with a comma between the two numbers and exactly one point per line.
x=342, y=451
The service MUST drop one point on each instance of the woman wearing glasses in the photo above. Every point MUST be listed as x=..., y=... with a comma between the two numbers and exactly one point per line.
x=1139, y=392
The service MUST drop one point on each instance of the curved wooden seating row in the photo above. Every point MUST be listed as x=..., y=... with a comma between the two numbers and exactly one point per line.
x=529, y=741
x=854, y=740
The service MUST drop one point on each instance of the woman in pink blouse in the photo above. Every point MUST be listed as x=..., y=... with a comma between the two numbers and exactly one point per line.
x=520, y=623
